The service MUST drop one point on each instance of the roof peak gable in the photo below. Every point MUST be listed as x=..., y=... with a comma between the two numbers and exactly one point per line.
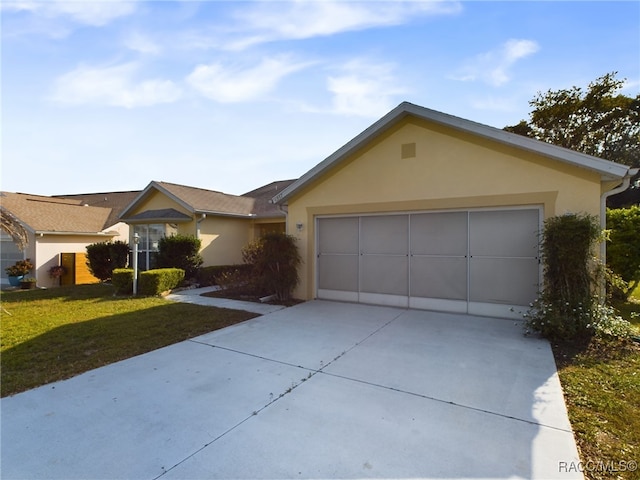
x=609, y=171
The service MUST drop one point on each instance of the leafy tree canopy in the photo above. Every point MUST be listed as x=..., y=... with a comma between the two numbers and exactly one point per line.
x=599, y=121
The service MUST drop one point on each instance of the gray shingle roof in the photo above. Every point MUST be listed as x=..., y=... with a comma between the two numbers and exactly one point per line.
x=256, y=203
x=49, y=214
x=116, y=201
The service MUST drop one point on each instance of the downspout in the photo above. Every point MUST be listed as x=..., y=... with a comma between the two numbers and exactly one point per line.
x=198, y=222
x=603, y=217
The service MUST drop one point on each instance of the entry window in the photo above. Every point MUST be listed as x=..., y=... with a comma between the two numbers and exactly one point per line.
x=150, y=236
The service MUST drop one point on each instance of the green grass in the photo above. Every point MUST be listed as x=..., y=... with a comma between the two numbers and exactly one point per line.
x=601, y=384
x=50, y=335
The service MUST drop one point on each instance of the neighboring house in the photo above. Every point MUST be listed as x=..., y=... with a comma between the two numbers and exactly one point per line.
x=56, y=225
x=224, y=223
x=427, y=210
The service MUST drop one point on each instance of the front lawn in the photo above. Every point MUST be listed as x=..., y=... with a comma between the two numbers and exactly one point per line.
x=601, y=384
x=50, y=335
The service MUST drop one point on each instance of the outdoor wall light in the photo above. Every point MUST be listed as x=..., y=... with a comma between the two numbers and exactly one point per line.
x=299, y=226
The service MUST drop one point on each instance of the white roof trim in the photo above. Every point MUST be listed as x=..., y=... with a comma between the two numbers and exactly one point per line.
x=609, y=171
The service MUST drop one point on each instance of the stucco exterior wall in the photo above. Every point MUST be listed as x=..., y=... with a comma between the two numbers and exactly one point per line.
x=223, y=239
x=49, y=248
x=450, y=170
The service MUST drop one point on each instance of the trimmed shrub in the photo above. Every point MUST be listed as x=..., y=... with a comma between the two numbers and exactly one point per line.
x=155, y=282
x=623, y=246
x=122, y=280
x=180, y=251
x=104, y=257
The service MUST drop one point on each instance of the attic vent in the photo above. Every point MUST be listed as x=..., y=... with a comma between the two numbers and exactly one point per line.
x=408, y=150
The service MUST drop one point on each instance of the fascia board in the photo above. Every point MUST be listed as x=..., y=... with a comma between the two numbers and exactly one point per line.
x=76, y=234
x=225, y=214
x=608, y=170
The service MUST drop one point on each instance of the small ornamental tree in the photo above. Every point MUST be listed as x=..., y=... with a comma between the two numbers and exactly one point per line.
x=623, y=245
x=104, y=257
x=274, y=261
x=180, y=251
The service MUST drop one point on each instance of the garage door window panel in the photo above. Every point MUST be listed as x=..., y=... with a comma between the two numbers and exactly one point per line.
x=510, y=233
x=503, y=280
x=439, y=234
x=384, y=234
x=338, y=272
x=439, y=277
x=384, y=274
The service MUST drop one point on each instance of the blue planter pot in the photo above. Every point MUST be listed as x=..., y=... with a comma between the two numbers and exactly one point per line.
x=15, y=281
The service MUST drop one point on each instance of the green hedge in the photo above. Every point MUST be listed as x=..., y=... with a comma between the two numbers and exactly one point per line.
x=208, y=276
x=154, y=282
x=122, y=280
x=151, y=282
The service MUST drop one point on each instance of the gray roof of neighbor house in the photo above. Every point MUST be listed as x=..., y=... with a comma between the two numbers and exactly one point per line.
x=40, y=214
x=263, y=206
x=609, y=171
x=116, y=201
x=254, y=204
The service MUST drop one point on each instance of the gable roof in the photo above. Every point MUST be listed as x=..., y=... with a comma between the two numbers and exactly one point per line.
x=254, y=204
x=116, y=201
x=40, y=214
x=608, y=171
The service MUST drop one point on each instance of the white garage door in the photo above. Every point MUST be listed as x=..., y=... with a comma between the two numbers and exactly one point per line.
x=480, y=261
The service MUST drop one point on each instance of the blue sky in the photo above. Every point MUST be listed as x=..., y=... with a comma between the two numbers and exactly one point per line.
x=231, y=95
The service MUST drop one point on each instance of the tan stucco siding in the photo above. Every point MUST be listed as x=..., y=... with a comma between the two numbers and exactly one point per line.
x=223, y=239
x=450, y=170
x=157, y=201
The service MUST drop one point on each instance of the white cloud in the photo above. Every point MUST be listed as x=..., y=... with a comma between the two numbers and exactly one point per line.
x=227, y=84
x=88, y=12
x=141, y=43
x=270, y=21
x=364, y=89
x=493, y=67
x=112, y=86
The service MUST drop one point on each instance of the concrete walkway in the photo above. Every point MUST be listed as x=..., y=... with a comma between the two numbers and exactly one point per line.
x=194, y=295
x=319, y=390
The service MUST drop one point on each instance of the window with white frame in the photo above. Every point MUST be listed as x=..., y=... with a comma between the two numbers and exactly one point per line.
x=149, y=235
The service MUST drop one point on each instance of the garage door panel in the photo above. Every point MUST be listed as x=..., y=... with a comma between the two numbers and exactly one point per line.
x=388, y=234
x=504, y=233
x=439, y=233
x=503, y=280
x=438, y=277
x=338, y=272
x=384, y=274
x=338, y=235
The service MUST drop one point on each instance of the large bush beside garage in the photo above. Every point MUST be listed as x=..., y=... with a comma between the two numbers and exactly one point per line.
x=274, y=261
x=569, y=305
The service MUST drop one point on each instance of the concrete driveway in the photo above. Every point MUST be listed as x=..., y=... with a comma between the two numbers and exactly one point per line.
x=320, y=390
